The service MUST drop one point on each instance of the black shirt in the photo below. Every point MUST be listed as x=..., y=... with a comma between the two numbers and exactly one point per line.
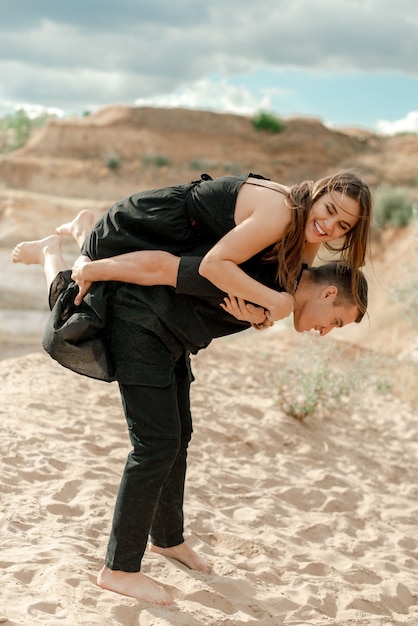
x=189, y=316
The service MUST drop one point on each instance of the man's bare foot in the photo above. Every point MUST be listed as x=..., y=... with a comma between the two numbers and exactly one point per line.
x=34, y=252
x=186, y=555
x=134, y=585
x=79, y=228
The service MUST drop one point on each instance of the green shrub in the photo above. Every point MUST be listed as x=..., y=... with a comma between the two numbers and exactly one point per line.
x=405, y=133
x=268, y=122
x=20, y=126
x=233, y=168
x=392, y=207
x=407, y=293
x=157, y=159
x=315, y=380
x=200, y=164
x=17, y=128
x=113, y=161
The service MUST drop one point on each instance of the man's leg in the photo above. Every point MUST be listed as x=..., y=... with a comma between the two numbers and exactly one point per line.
x=154, y=427
x=146, y=470
x=168, y=524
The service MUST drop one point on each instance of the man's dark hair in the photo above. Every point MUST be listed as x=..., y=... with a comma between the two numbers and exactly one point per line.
x=340, y=275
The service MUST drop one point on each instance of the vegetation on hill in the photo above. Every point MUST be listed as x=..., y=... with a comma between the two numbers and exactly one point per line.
x=16, y=129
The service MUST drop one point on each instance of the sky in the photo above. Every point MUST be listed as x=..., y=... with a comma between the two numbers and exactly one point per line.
x=346, y=62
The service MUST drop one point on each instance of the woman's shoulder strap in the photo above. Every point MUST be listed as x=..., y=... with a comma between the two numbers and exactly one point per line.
x=261, y=181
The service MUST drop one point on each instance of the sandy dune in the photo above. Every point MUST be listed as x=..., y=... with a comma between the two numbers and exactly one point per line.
x=308, y=522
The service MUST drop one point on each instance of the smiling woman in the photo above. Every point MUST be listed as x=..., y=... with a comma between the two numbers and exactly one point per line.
x=331, y=217
x=295, y=221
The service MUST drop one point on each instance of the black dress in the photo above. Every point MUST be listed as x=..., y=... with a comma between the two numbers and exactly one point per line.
x=175, y=219
x=184, y=220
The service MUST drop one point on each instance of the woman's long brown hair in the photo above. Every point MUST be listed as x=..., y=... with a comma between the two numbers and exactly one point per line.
x=289, y=251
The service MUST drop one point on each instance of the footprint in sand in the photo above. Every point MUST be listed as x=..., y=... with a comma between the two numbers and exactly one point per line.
x=69, y=491
x=48, y=608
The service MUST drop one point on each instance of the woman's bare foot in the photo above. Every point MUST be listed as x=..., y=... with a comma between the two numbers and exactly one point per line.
x=134, y=585
x=186, y=555
x=79, y=228
x=34, y=252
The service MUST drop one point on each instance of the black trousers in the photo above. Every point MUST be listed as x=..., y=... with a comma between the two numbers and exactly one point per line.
x=150, y=497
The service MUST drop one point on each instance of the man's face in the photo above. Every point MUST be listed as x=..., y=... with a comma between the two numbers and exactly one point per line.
x=318, y=312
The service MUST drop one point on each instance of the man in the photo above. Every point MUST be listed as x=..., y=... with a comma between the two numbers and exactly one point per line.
x=149, y=333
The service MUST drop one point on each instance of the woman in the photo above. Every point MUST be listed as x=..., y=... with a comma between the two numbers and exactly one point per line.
x=241, y=216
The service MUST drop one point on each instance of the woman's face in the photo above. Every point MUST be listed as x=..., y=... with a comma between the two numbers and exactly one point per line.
x=332, y=216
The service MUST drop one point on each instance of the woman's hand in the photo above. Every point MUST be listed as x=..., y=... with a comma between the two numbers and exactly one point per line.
x=77, y=275
x=246, y=312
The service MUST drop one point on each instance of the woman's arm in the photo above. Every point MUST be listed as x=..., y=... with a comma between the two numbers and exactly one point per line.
x=262, y=217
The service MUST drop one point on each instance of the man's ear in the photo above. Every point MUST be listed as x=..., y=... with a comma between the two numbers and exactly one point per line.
x=330, y=291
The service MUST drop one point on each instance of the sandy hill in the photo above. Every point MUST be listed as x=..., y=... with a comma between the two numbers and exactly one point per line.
x=65, y=167
x=165, y=146
x=70, y=161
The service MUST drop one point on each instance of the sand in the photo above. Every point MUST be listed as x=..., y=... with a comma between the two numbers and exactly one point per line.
x=305, y=522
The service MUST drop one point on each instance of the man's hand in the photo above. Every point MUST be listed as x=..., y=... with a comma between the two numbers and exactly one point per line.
x=77, y=275
x=247, y=312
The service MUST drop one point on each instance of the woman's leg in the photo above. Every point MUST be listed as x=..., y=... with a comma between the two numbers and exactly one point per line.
x=46, y=252
x=79, y=228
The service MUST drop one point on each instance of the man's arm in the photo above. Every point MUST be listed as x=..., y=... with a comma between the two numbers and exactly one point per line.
x=144, y=267
x=156, y=267
x=147, y=268
x=190, y=282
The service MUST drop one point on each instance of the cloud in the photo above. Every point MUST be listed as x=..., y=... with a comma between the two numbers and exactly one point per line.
x=408, y=124
x=79, y=55
x=207, y=95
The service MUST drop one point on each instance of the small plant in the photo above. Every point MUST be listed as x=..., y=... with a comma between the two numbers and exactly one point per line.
x=19, y=126
x=316, y=380
x=405, y=133
x=393, y=207
x=17, y=129
x=233, y=168
x=408, y=292
x=22, y=127
x=304, y=400
x=113, y=161
x=200, y=164
x=310, y=388
x=157, y=160
x=268, y=122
